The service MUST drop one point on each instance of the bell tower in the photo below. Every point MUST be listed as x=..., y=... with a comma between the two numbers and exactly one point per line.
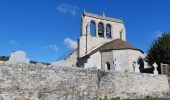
x=105, y=29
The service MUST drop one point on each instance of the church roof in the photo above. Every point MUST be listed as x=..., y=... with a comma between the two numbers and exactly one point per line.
x=117, y=44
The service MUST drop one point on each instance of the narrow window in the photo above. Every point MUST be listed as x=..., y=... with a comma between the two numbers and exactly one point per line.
x=121, y=32
x=101, y=29
x=108, y=31
x=108, y=65
x=92, y=28
x=134, y=67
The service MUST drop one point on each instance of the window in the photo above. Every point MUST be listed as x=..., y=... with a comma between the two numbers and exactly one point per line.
x=107, y=65
x=121, y=33
x=134, y=66
x=101, y=29
x=92, y=28
x=108, y=31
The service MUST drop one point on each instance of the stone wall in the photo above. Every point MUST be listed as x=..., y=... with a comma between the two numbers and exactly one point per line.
x=89, y=43
x=46, y=82
x=94, y=61
x=41, y=82
x=107, y=57
x=126, y=58
x=72, y=57
x=134, y=85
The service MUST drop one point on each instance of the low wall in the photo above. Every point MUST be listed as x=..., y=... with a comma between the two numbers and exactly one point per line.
x=42, y=82
x=134, y=85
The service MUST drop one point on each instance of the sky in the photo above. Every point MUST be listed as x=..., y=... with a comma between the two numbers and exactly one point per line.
x=46, y=29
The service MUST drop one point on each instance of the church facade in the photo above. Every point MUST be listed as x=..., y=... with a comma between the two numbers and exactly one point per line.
x=103, y=45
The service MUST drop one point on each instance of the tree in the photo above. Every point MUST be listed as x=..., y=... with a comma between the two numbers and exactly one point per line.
x=3, y=58
x=159, y=51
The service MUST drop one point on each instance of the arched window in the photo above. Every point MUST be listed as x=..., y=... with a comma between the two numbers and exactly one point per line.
x=101, y=29
x=92, y=28
x=107, y=66
x=108, y=31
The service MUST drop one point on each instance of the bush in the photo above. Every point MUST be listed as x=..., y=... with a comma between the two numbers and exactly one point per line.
x=4, y=58
x=113, y=98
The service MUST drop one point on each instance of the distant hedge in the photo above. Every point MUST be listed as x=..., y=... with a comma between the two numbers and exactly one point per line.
x=4, y=58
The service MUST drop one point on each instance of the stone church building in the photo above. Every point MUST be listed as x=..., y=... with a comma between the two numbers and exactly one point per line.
x=104, y=46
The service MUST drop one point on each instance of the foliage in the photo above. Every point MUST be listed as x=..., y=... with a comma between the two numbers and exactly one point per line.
x=113, y=98
x=141, y=67
x=3, y=58
x=33, y=62
x=147, y=97
x=159, y=51
x=116, y=98
x=45, y=63
x=105, y=98
x=40, y=94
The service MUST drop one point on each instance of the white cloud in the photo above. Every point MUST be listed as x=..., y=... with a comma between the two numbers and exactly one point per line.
x=67, y=8
x=70, y=43
x=54, y=47
x=14, y=43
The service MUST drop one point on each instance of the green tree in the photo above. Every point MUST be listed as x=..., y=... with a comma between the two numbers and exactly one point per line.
x=3, y=58
x=159, y=51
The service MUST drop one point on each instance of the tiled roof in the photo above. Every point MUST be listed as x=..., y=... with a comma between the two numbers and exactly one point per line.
x=117, y=44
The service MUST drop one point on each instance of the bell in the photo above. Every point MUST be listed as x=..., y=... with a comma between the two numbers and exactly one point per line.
x=100, y=31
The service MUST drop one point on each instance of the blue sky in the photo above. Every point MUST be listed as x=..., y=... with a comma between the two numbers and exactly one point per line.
x=46, y=29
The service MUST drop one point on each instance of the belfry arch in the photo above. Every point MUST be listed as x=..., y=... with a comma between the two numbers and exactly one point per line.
x=92, y=28
x=100, y=29
x=108, y=31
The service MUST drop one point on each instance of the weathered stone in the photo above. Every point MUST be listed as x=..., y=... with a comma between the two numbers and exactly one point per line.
x=20, y=80
x=66, y=83
x=18, y=98
x=18, y=57
x=155, y=68
x=1, y=98
x=88, y=42
x=62, y=63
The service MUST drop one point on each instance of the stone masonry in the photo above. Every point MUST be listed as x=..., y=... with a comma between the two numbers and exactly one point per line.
x=87, y=42
x=47, y=82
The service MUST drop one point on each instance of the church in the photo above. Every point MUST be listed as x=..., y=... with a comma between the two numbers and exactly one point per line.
x=104, y=65
x=103, y=45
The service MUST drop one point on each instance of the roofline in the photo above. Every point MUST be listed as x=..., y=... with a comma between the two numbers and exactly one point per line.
x=102, y=17
x=122, y=49
x=92, y=52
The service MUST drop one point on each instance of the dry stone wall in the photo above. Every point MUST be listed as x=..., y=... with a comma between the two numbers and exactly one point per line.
x=73, y=57
x=47, y=82
x=130, y=85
